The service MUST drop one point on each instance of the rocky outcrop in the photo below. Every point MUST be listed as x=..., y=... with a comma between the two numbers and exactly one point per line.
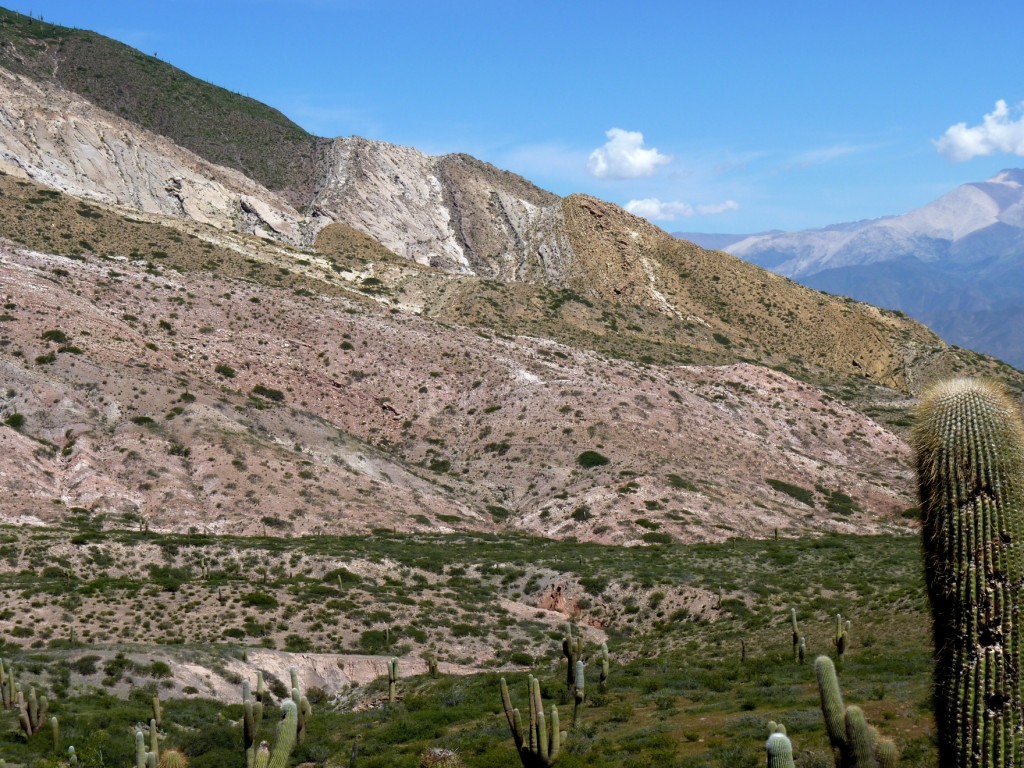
x=453, y=212
x=56, y=138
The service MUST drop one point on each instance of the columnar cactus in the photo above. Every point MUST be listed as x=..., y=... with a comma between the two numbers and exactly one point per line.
x=602, y=682
x=796, y=631
x=140, y=749
x=158, y=712
x=72, y=757
x=779, y=749
x=31, y=712
x=572, y=649
x=580, y=694
x=801, y=651
x=287, y=733
x=540, y=746
x=854, y=743
x=55, y=734
x=392, y=680
x=252, y=719
x=154, y=739
x=969, y=444
x=302, y=705
x=842, y=637
x=262, y=758
x=5, y=687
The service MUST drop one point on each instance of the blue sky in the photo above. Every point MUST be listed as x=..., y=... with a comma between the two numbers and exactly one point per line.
x=726, y=117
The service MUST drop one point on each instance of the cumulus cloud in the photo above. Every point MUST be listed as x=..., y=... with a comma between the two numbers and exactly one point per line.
x=998, y=132
x=656, y=210
x=624, y=156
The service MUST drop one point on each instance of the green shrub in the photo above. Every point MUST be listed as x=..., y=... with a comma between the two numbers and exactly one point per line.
x=15, y=421
x=259, y=600
x=270, y=394
x=224, y=370
x=590, y=459
x=803, y=495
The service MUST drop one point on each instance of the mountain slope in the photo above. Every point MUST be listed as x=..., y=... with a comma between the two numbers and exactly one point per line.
x=954, y=263
x=429, y=343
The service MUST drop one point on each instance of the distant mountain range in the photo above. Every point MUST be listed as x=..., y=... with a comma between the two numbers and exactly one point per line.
x=954, y=264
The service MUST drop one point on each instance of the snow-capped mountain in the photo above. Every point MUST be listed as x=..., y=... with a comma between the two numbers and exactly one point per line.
x=954, y=263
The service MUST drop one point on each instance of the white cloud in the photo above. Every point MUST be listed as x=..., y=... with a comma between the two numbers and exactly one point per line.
x=997, y=133
x=654, y=209
x=717, y=208
x=624, y=156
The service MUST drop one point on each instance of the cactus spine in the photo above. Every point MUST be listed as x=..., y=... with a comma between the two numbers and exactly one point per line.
x=541, y=745
x=969, y=445
x=392, y=680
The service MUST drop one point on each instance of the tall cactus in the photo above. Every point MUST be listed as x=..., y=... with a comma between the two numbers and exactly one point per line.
x=842, y=637
x=855, y=744
x=572, y=649
x=580, y=693
x=541, y=745
x=969, y=444
x=252, y=708
x=602, y=682
x=287, y=733
x=795, y=630
x=392, y=680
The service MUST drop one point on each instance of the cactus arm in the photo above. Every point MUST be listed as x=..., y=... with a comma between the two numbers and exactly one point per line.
x=556, y=737
x=832, y=707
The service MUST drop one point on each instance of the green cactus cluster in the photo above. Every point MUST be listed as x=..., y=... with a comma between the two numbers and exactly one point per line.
x=854, y=742
x=540, y=745
x=31, y=711
x=303, y=708
x=968, y=440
